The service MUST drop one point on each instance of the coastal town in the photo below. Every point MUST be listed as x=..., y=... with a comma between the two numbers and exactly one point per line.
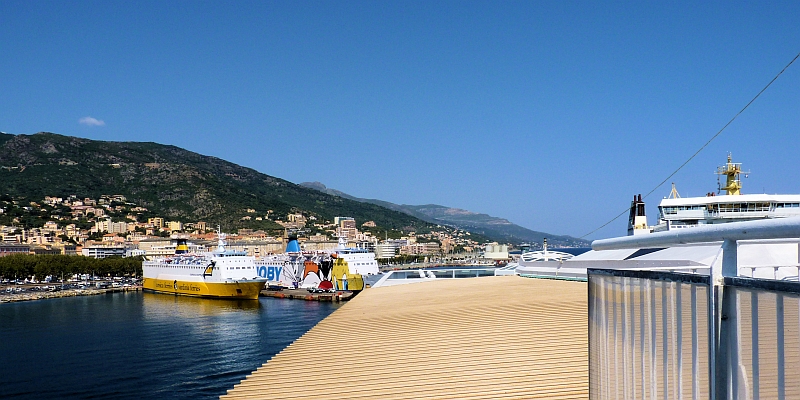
x=113, y=226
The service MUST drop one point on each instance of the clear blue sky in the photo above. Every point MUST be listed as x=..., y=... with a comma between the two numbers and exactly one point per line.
x=549, y=113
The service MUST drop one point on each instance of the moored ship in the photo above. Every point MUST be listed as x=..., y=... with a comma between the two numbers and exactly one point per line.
x=676, y=212
x=221, y=273
x=756, y=258
x=342, y=268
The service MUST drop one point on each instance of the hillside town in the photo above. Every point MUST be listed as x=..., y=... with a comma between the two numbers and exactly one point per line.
x=111, y=226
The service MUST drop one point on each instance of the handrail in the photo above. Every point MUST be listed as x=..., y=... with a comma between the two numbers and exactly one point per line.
x=720, y=303
x=777, y=228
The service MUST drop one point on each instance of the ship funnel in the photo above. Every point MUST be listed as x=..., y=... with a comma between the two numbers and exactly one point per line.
x=637, y=222
x=181, y=247
x=293, y=246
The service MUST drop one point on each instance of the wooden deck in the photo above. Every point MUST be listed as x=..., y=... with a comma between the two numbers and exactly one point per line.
x=477, y=338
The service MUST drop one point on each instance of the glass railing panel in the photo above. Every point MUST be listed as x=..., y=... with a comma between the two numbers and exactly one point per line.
x=764, y=343
x=648, y=335
x=464, y=273
x=442, y=273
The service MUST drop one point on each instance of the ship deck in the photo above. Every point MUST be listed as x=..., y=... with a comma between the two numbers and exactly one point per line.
x=480, y=338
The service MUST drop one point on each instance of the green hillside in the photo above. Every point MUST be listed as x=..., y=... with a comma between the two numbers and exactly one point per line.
x=171, y=182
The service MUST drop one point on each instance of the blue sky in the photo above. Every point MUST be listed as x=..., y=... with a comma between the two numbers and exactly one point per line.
x=552, y=114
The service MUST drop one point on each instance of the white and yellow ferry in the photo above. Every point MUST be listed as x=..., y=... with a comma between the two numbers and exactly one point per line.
x=221, y=273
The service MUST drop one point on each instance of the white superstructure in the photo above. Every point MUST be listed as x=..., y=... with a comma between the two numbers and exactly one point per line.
x=219, y=273
x=676, y=212
x=543, y=255
x=687, y=212
x=777, y=259
x=296, y=268
x=360, y=261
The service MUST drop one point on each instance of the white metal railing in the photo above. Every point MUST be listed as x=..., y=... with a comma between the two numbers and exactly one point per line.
x=400, y=277
x=745, y=322
x=647, y=333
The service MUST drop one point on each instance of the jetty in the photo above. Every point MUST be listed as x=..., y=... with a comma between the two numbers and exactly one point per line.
x=303, y=294
x=482, y=338
x=41, y=295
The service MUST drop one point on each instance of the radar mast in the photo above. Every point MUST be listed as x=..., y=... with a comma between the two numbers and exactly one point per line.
x=731, y=170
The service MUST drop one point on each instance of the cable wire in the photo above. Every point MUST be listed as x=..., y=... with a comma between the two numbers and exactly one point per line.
x=701, y=148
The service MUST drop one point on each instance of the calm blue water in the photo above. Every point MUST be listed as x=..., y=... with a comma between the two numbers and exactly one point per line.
x=143, y=345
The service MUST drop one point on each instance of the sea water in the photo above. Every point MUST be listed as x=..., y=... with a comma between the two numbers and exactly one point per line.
x=143, y=345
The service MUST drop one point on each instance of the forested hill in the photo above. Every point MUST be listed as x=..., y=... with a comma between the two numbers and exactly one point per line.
x=169, y=181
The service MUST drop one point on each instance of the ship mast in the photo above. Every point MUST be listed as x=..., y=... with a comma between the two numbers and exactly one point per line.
x=732, y=171
x=673, y=194
x=220, y=240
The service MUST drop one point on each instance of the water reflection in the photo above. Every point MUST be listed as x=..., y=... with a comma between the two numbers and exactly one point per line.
x=143, y=345
x=158, y=305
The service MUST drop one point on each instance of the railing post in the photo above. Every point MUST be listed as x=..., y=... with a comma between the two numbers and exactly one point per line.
x=730, y=265
x=723, y=309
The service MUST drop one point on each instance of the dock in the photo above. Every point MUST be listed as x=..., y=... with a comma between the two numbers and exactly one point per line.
x=41, y=295
x=303, y=294
x=481, y=338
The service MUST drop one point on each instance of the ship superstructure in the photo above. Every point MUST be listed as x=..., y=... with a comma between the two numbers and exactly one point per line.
x=295, y=268
x=221, y=273
x=360, y=261
x=770, y=259
x=332, y=269
x=677, y=212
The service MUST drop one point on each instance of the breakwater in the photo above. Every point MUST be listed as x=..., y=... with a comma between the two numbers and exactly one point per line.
x=40, y=295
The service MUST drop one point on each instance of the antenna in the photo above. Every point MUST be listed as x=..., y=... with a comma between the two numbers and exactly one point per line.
x=673, y=194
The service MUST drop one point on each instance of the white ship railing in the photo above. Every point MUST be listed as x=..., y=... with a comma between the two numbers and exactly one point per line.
x=658, y=335
x=401, y=277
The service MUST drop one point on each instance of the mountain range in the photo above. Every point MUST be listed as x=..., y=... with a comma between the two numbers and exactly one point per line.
x=499, y=229
x=182, y=185
x=170, y=182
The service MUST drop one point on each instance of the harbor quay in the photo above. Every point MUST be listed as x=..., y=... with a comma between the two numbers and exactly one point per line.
x=503, y=337
x=304, y=294
x=28, y=293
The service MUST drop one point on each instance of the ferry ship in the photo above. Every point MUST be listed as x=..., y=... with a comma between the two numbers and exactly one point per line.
x=221, y=273
x=341, y=268
x=756, y=258
x=289, y=269
x=360, y=261
x=676, y=212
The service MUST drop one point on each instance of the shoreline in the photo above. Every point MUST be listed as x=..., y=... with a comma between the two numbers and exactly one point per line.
x=31, y=296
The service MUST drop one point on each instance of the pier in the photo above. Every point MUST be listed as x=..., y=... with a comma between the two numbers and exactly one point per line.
x=41, y=295
x=484, y=338
x=303, y=294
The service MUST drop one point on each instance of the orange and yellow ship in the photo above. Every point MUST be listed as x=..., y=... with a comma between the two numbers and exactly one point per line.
x=222, y=273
